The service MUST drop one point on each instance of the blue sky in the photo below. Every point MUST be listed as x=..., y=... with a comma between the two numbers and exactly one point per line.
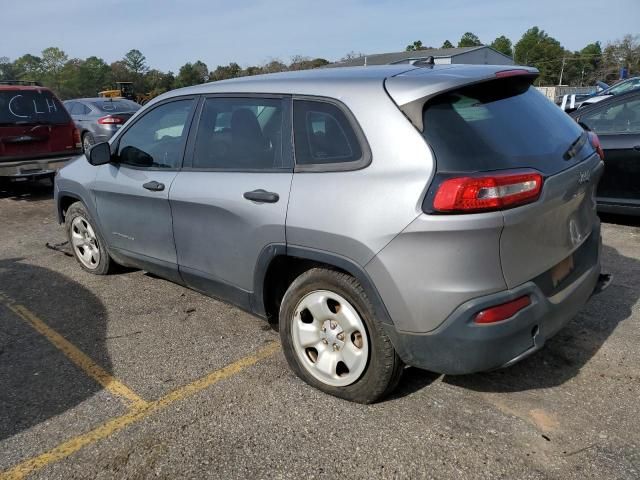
x=171, y=33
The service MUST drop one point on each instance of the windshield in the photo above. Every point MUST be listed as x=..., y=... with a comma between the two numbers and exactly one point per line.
x=501, y=124
x=31, y=107
x=625, y=86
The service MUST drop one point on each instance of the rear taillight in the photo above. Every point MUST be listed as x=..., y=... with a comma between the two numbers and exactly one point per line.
x=502, y=311
x=75, y=138
x=111, y=120
x=595, y=143
x=487, y=192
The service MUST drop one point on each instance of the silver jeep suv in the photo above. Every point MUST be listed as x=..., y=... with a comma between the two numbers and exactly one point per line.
x=437, y=216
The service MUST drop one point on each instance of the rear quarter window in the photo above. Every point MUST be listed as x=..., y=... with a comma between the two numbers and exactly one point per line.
x=325, y=137
x=31, y=107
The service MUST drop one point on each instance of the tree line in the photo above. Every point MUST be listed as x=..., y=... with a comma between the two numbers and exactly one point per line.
x=536, y=48
x=75, y=77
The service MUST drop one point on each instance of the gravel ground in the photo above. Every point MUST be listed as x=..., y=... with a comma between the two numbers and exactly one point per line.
x=569, y=411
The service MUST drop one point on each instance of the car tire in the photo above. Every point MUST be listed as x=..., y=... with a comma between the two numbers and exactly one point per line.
x=332, y=340
x=87, y=142
x=85, y=240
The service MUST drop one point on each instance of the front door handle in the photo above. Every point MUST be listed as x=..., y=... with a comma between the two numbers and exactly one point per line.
x=154, y=186
x=262, y=196
x=637, y=148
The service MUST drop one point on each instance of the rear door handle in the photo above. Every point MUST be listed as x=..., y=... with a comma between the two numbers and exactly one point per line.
x=154, y=186
x=637, y=148
x=262, y=196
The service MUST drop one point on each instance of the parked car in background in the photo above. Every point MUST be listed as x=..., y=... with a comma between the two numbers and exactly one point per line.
x=37, y=135
x=98, y=119
x=572, y=102
x=616, y=120
x=440, y=217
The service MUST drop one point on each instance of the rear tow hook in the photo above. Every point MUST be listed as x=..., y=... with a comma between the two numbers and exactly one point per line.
x=604, y=280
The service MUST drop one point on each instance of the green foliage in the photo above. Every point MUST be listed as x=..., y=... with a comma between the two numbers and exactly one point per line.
x=621, y=53
x=469, y=40
x=192, y=74
x=536, y=48
x=503, y=45
x=447, y=44
x=416, y=45
x=135, y=62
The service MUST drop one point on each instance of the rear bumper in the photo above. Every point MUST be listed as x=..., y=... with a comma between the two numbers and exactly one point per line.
x=460, y=346
x=27, y=169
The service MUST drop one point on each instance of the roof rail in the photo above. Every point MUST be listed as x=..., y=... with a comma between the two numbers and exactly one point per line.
x=21, y=82
x=425, y=62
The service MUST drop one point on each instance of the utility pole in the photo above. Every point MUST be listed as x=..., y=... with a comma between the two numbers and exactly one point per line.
x=561, y=71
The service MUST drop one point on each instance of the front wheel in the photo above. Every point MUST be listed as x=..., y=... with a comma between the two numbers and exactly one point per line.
x=86, y=243
x=332, y=340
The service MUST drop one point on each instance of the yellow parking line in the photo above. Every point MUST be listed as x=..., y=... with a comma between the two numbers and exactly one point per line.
x=95, y=371
x=110, y=427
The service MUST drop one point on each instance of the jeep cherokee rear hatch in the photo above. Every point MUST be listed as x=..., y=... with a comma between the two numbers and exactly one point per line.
x=34, y=124
x=500, y=144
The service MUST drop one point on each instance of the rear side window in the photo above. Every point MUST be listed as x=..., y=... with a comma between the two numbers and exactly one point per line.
x=239, y=134
x=502, y=124
x=31, y=107
x=612, y=119
x=323, y=135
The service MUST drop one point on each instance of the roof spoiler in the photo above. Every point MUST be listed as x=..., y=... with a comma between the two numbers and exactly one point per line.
x=411, y=90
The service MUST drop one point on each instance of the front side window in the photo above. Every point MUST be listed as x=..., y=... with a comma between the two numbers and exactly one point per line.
x=323, y=135
x=619, y=118
x=239, y=134
x=157, y=139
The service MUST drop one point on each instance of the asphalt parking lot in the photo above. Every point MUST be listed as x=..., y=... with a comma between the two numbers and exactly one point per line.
x=130, y=376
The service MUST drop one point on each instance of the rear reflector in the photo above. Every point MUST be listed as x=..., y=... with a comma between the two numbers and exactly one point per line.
x=504, y=311
x=595, y=143
x=487, y=192
x=111, y=120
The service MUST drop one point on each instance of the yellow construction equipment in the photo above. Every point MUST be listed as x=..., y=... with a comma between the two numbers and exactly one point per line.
x=126, y=90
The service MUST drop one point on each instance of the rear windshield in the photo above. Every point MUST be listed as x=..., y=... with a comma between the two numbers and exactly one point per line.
x=31, y=106
x=496, y=125
x=119, y=106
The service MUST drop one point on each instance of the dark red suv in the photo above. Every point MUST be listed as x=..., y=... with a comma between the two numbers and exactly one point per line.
x=37, y=135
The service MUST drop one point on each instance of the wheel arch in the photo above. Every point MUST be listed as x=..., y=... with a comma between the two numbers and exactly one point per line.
x=65, y=200
x=279, y=265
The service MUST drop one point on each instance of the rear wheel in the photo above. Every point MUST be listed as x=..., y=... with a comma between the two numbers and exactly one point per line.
x=87, y=142
x=332, y=340
x=86, y=243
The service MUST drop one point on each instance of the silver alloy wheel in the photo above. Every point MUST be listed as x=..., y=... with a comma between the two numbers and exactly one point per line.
x=87, y=143
x=85, y=242
x=330, y=338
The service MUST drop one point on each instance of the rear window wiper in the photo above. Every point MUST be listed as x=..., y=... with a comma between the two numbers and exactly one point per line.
x=576, y=146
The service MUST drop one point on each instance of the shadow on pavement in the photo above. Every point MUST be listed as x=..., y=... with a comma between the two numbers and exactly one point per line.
x=27, y=191
x=627, y=220
x=37, y=380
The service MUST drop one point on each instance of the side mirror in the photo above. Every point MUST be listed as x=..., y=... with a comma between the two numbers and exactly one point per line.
x=100, y=154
